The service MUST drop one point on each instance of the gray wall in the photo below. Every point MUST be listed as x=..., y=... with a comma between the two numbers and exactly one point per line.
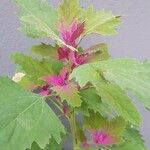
x=132, y=41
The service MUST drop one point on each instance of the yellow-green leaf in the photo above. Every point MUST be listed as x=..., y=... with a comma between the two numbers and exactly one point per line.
x=35, y=68
x=100, y=22
x=45, y=50
x=69, y=11
x=69, y=93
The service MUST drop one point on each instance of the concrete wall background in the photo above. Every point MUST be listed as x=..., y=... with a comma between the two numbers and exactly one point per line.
x=133, y=39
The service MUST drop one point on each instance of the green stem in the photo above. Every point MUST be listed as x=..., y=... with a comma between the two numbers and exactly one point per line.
x=74, y=131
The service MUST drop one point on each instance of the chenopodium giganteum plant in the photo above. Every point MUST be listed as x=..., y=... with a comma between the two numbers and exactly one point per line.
x=74, y=82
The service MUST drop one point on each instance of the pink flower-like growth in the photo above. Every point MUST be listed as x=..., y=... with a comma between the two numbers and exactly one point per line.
x=69, y=35
x=57, y=80
x=103, y=138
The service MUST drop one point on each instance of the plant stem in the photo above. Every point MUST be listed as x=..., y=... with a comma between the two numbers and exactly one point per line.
x=74, y=131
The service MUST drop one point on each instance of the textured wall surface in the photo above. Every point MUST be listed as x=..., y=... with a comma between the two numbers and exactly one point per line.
x=133, y=39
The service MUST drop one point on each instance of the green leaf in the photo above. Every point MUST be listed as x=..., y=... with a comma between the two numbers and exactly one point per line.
x=114, y=127
x=98, y=52
x=147, y=64
x=26, y=83
x=133, y=135
x=113, y=96
x=39, y=19
x=94, y=121
x=35, y=146
x=128, y=146
x=117, y=126
x=93, y=102
x=100, y=22
x=134, y=141
x=25, y=118
x=69, y=93
x=22, y=79
x=30, y=31
x=40, y=12
x=84, y=109
x=53, y=145
x=45, y=50
x=85, y=74
x=69, y=11
x=37, y=68
x=129, y=74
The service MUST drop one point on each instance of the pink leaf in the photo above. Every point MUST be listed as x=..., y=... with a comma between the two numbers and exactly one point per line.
x=71, y=33
x=57, y=80
x=69, y=36
x=78, y=30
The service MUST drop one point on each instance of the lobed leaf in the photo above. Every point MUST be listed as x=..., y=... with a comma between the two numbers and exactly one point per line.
x=39, y=12
x=39, y=20
x=112, y=95
x=85, y=74
x=134, y=141
x=53, y=145
x=69, y=93
x=69, y=11
x=114, y=127
x=128, y=74
x=45, y=50
x=133, y=135
x=127, y=146
x=92, y=101
x=26, y=83
x=100, y=22
x=25, y=118
x=35, y=68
